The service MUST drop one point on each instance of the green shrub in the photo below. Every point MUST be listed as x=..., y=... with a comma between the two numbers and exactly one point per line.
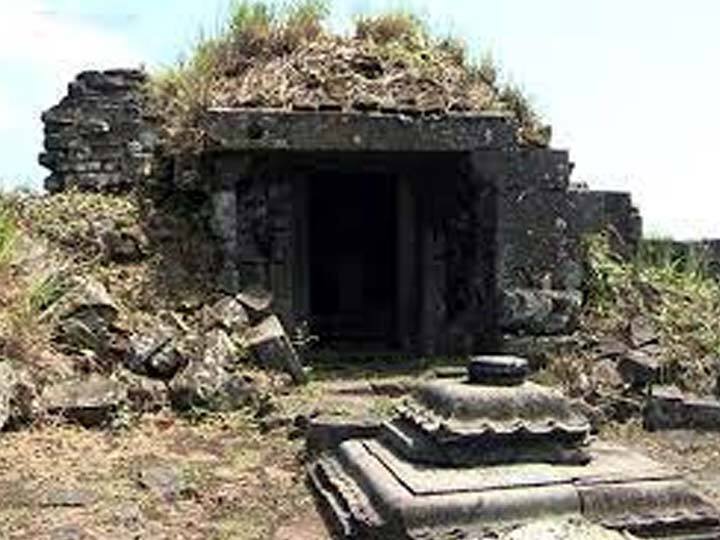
x=673, y=291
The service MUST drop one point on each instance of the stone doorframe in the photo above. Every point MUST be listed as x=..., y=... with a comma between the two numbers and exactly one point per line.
x=236, y=136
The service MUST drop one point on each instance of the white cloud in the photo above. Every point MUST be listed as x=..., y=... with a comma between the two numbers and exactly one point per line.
x=40, y=52
x=31, y=33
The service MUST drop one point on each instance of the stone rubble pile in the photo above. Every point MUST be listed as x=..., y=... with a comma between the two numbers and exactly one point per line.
x=207, y=366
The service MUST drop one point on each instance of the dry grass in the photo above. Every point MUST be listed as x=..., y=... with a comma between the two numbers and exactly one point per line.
x=286, y=58
x=678, y=296
x=31, y=279
x=237, y=483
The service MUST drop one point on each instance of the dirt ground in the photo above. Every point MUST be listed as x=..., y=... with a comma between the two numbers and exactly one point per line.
x=163, y=479
x=220, y=477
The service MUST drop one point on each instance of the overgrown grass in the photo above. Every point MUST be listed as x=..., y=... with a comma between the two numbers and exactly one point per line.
x=272, y=55
x=403, y=27
x=675, y=292
x=8, y=232
x=30, y=282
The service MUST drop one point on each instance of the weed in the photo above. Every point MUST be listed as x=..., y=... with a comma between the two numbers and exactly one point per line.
x=44, y=291
x=273, y=55
x=675, y=292
x=8, y=233
x=393, y=27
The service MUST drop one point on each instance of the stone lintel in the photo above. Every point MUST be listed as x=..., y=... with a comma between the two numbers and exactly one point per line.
x=255, y=129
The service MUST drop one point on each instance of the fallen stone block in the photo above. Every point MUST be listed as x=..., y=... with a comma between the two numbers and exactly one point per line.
x=642, y=332
x=91, y=402
x=638, y=369
x=154, y=354
x=144, y=395
x=669, y=408
x=257, y=299
x=227, y=313
x=219, y=349
x=540, y=311
x=272, y=347
x=17, y=396
x=203, y=385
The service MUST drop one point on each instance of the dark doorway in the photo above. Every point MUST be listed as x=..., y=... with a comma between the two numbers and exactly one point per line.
x=353, y=261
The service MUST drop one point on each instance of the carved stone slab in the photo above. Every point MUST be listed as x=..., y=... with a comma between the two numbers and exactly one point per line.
x=379, y=493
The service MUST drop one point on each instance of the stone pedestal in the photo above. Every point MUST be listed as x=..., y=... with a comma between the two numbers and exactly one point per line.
x=464, y=460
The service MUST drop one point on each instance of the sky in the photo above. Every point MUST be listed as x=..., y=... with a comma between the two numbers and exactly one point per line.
x=628, y=85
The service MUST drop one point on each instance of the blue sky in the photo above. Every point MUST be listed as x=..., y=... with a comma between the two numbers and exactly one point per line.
x=628, y=85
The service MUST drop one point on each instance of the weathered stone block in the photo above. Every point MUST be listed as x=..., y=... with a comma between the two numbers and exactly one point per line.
x=90, y=402
x=538, y=311
x=668, y=408
x=638, y=368
x=272, y=347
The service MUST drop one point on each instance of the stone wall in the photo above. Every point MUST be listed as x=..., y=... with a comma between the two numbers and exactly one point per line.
x=496, y=248
x=606, y=211
x=99, y=137
x=541, y=223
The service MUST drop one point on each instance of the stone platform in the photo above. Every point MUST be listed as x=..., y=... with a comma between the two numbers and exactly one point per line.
x=464, y=459
x=374, y=493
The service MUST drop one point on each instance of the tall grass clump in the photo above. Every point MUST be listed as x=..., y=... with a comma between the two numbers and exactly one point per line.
x=393, y=27
x=253, y=30
x=279, y=55
x=674, y=291
x=8, y=232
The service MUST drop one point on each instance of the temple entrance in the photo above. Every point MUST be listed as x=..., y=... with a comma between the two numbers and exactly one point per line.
x=352, y=245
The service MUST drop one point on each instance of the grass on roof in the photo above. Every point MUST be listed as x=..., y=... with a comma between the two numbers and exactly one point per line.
x=268, y=55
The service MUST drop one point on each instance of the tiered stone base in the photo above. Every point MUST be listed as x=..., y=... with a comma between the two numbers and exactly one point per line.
x=370, y=491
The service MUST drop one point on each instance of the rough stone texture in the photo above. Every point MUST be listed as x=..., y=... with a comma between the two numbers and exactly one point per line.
x=84, y=316
x=229, y=314
x=155, y=354
x=639, y=369
x=144, y=395
x=257, y=299
x=613, y=211
x=246, y=129
x=203, y=385
x=272, y=347
x=220, y=350
x=99, y=137
x=18, y=395
x=90, y=402
x=668, y=408
x=540, y=312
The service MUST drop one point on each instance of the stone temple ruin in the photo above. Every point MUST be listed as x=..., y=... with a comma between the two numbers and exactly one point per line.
x=411, y=231
x=394, y=230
